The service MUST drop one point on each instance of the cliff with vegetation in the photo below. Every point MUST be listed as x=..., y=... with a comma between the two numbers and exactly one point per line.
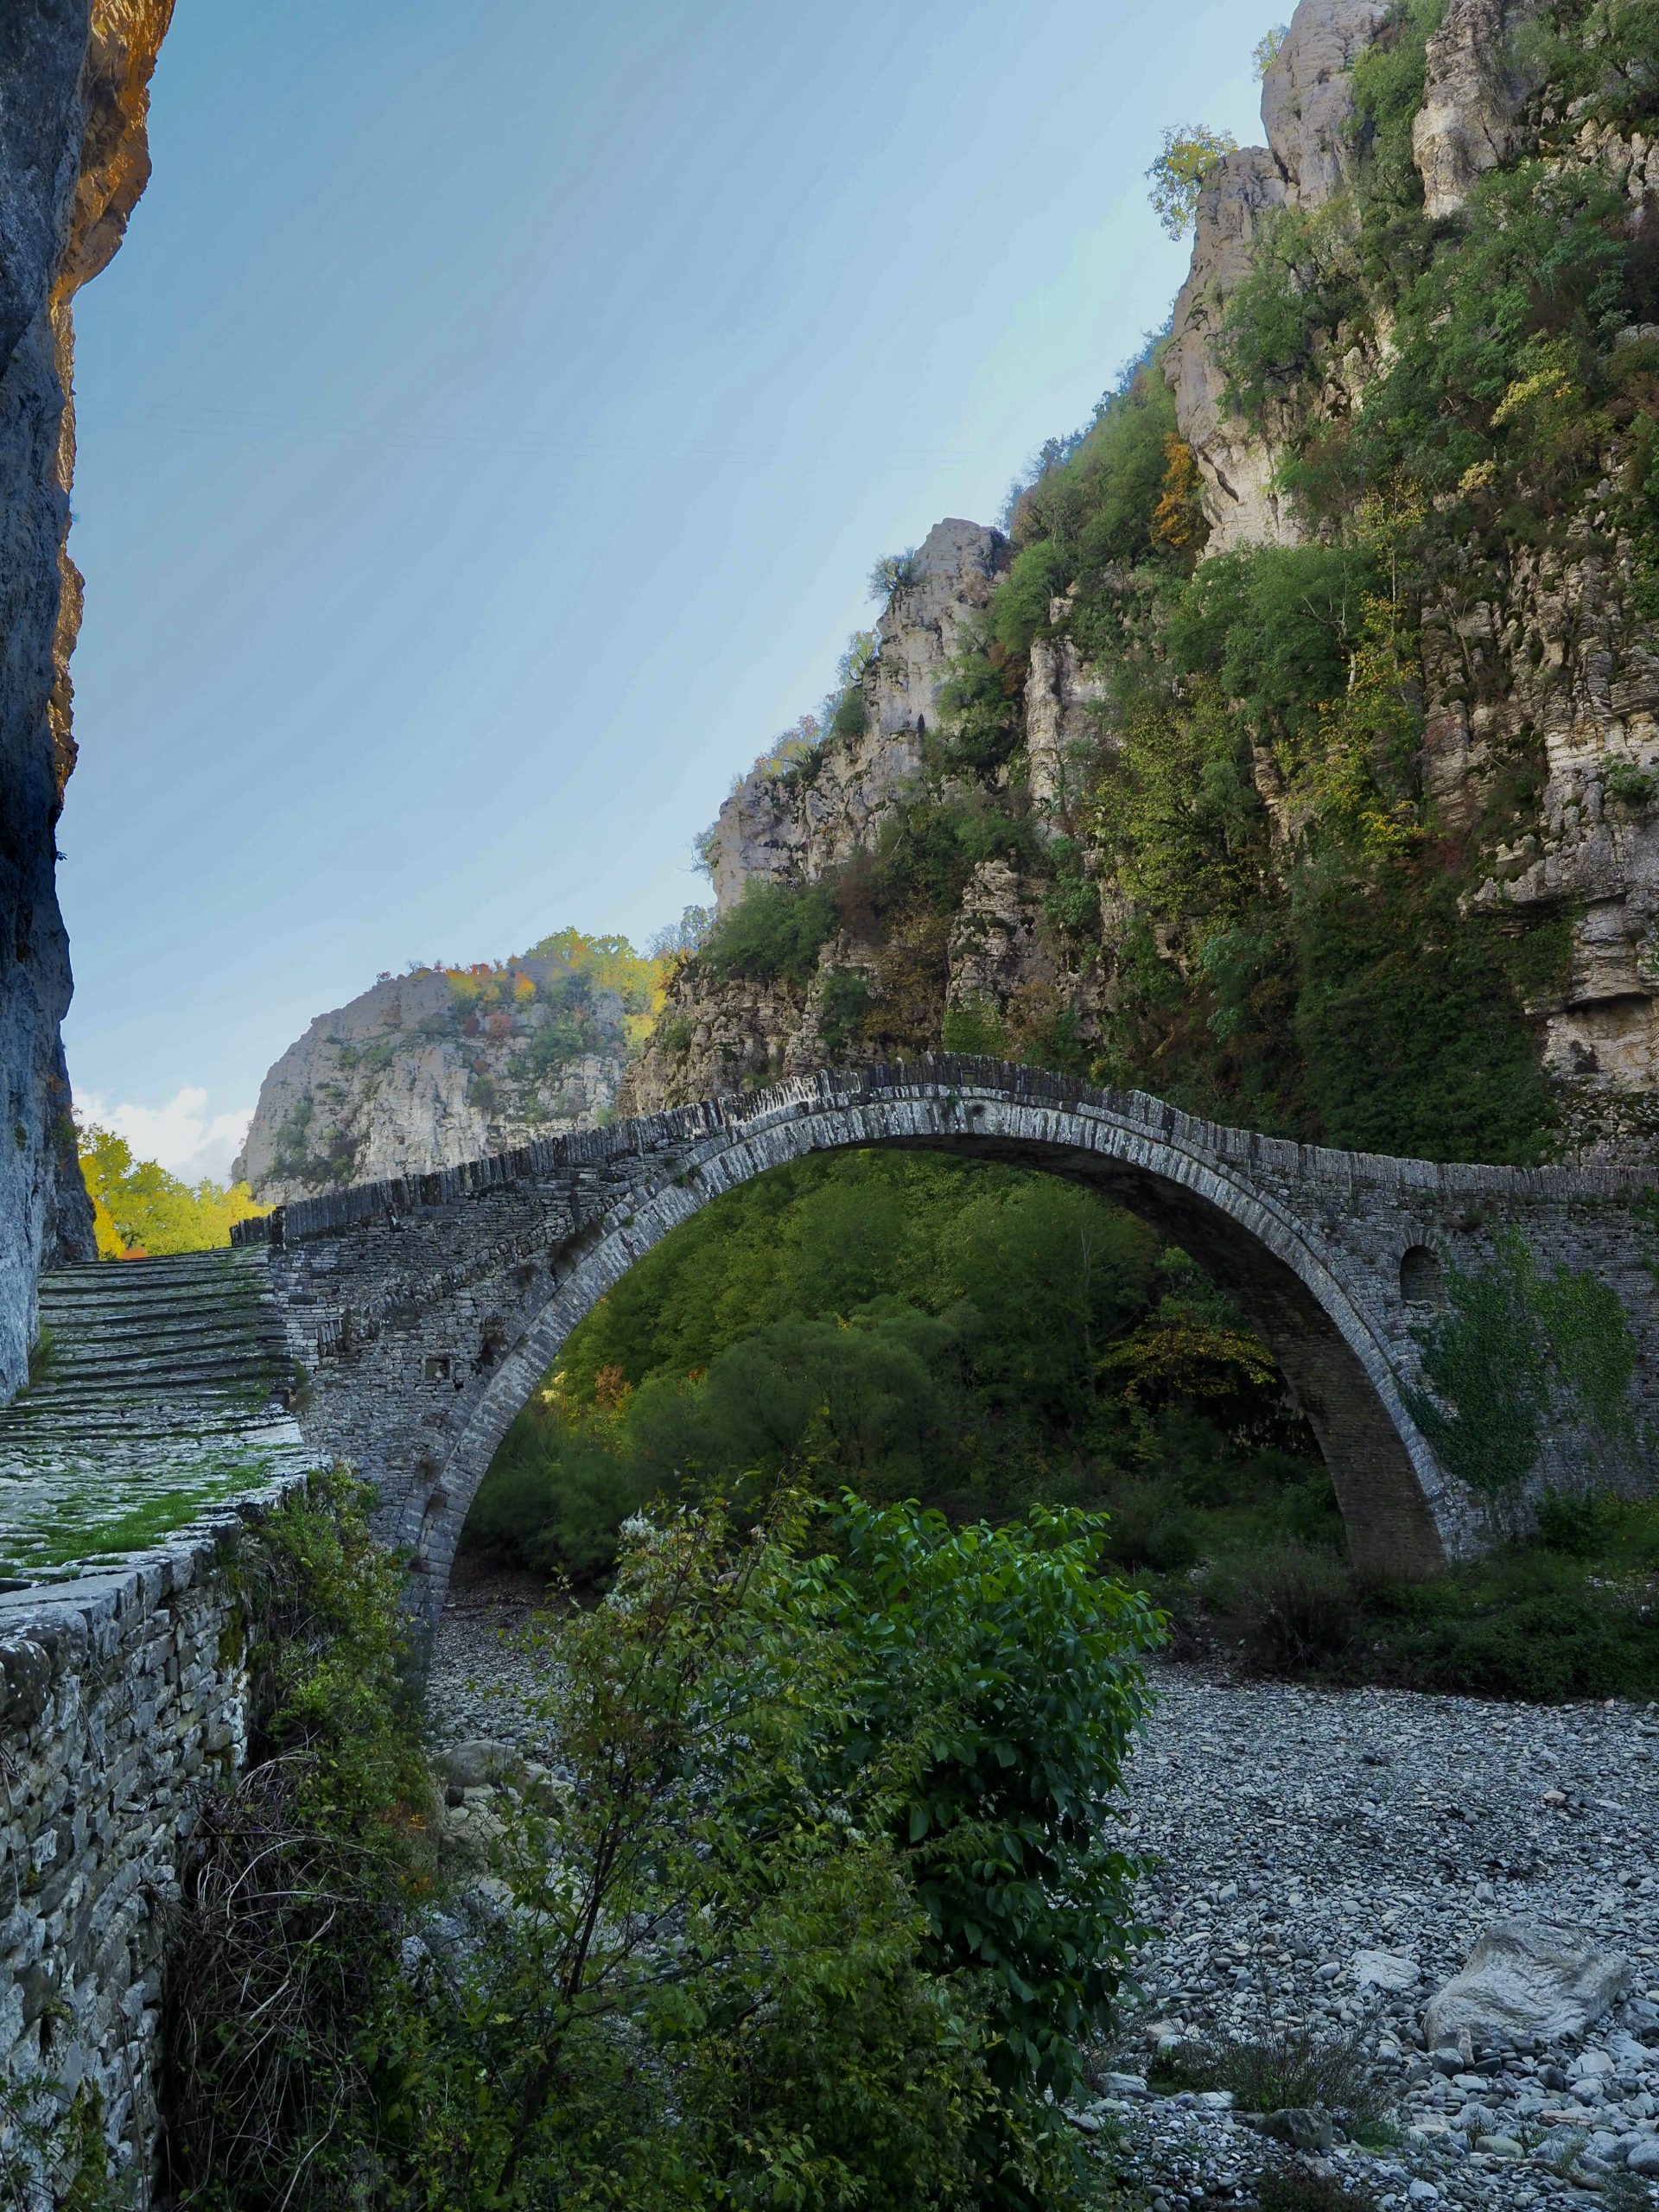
x=74, y=78
x=1292, y=754
x=446, y=1065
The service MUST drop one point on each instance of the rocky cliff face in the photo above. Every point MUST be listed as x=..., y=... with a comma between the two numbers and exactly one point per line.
x=1206, y=852
x=74, y=78
x=428, y=1069
x=793, y=827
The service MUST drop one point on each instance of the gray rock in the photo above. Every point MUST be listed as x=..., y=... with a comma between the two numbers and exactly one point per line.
x=1304, y=2127
x=392, y=1082
x=1391, y=1970
x=479, y=1764
x=1643, y=2157
x=1471, y=94
x=1525, y=1978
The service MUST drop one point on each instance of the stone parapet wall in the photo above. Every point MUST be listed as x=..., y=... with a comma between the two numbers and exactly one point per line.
x=125, y=1697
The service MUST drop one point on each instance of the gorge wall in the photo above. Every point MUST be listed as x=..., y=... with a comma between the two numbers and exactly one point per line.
x=1293, y=754
x=74, y=78
x=445, y=1065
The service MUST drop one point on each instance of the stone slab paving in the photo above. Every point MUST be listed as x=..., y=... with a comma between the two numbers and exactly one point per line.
x=1297, y=1831
x=164, y=1388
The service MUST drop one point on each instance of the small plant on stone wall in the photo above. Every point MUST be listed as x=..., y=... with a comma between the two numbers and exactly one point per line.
x=53, y=2149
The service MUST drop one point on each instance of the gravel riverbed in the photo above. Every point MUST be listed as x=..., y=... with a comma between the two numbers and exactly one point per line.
x=1295, y=1830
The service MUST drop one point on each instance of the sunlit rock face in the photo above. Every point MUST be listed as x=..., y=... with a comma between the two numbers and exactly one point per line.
x=411, y=1075
x=1556, y=664
x=75, y=77
x=1471, y=95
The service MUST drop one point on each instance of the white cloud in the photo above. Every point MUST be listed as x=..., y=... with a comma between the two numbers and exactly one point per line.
x=187, y=1139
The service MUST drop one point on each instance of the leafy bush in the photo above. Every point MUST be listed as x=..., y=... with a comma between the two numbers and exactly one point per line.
x=1293, y=1604
x=826, y=1901
x=893, y=572
x=775, y=931
x=300, y=1873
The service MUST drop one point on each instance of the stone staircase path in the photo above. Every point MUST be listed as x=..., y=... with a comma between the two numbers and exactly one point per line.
x=161, y=1386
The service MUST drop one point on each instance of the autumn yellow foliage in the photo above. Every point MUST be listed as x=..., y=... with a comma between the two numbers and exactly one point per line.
x=140, y=1211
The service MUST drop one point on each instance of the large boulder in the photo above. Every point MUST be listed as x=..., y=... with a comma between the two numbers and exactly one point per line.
x=1528, y=1981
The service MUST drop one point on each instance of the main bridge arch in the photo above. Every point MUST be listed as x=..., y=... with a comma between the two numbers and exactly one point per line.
x=423, y=1312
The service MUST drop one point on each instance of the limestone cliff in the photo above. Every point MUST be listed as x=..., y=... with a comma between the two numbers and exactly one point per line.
x=75, y=77
x=443, y=1065
x=1297, y=755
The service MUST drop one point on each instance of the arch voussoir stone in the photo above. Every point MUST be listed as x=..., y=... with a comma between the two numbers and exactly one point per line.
x=425, y=1311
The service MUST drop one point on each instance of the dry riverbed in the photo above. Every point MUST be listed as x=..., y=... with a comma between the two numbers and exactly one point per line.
x=1299, y=1834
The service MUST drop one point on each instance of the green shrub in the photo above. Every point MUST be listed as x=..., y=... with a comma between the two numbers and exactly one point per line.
x=1147, y=1530
x=1293, y=1605
x=1280, y=2069
x=1529, y=1625
x=827, y=1902
x=975, y=1026
x=301, y=1872
x=844, y=1002
x=775, y=931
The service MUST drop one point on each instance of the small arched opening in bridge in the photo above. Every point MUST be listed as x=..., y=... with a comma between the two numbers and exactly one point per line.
x=1336, y=1364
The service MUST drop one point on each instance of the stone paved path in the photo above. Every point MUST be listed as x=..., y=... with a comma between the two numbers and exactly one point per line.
x=163, y=1388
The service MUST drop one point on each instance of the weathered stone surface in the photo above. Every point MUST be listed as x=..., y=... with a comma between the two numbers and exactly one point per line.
x=138, y=1700
x=1238, y=465
x=425, y=1311
x=1307, y=103
x=782, y=827
x=1064, y=704
x=479, y=1764
x=1307, y=99
x=1526, y=1980
x=74, y=79
x=389, y=1085
x=1470, y=95
x=1390, y=1970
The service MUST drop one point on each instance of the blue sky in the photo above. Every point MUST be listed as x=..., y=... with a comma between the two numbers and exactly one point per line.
x=486, y=434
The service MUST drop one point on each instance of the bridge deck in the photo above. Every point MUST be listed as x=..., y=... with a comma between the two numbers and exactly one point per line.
x=161, y=1388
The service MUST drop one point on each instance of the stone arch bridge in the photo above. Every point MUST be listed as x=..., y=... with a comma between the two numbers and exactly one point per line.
x=423, y=1311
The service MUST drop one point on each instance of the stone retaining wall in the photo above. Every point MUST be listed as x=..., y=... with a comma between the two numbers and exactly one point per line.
x=124, y=1697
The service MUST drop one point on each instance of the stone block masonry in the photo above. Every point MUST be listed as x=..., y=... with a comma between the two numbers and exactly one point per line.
x=123, y=1698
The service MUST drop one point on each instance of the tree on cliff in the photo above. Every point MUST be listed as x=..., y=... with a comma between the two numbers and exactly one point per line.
x=1190, y=158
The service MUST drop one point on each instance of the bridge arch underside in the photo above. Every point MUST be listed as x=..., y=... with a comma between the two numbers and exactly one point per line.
x=1389, y=1485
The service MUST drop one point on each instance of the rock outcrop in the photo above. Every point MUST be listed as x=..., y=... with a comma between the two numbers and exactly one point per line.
x=430, y=1069
x=1471, y=95
x=74, y=78
x=794, y=826
x=1306, y=106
